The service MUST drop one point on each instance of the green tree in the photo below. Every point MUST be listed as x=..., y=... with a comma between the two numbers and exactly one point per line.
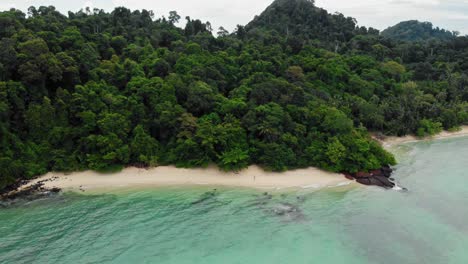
x=201, y=98
x=428, y=128
x=173, y=17
x=144, y=149
x=335, y=153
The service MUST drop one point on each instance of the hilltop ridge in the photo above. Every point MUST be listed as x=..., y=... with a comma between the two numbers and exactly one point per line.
x=301, y=18
x=414, y=30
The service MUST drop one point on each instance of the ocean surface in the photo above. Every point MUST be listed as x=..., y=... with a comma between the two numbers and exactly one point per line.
x=426, y=224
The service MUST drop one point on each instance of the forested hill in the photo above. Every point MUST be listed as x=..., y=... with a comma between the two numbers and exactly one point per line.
x=98, y=90
x=414, y=30
x=301, y=19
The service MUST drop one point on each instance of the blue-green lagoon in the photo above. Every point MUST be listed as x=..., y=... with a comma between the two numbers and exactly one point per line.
x=348, y=224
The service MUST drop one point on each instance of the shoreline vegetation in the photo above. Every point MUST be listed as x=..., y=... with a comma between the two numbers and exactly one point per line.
x=252, y=177
x=297, y=87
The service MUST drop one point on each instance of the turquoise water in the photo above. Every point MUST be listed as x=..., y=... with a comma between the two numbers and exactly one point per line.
x=427, y=224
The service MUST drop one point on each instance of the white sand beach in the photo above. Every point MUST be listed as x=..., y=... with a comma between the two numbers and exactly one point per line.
x=253, y=177
x=391, y=141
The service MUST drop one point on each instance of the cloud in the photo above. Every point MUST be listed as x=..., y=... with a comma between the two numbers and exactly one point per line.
x=416, y=2
x=7, y=5
x=448, y=14
x=88, y=4
x=118, y=3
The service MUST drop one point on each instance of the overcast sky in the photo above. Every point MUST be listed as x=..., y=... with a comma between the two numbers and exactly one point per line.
x=449, y=14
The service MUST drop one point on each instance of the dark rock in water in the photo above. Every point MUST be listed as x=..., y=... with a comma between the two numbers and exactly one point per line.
x=301, y=199
x=365, y=181
x=380, y=177
x=362, y=175
x=263, y=199
x=268, y=196
x=377, y=181
x=33, y=192
x=284, y=208
x=205, y=197
x=387, y=171
x=383, y=181
x=287, y=211
x=376, y=172
x=12, y=188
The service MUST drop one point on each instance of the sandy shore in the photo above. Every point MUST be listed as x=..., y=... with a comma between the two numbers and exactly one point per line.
x=253, y=177
x=391, y=141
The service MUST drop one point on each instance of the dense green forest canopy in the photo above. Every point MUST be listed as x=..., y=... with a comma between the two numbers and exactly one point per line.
x=301, y=19
x=414, y=30
x=98, y=90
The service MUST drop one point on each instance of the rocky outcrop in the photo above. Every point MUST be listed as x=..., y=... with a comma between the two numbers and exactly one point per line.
x=12, y=187
x=380, y=177
x=34, y=191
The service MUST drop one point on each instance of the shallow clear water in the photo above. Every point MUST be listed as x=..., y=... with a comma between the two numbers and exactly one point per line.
x=427, y=224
